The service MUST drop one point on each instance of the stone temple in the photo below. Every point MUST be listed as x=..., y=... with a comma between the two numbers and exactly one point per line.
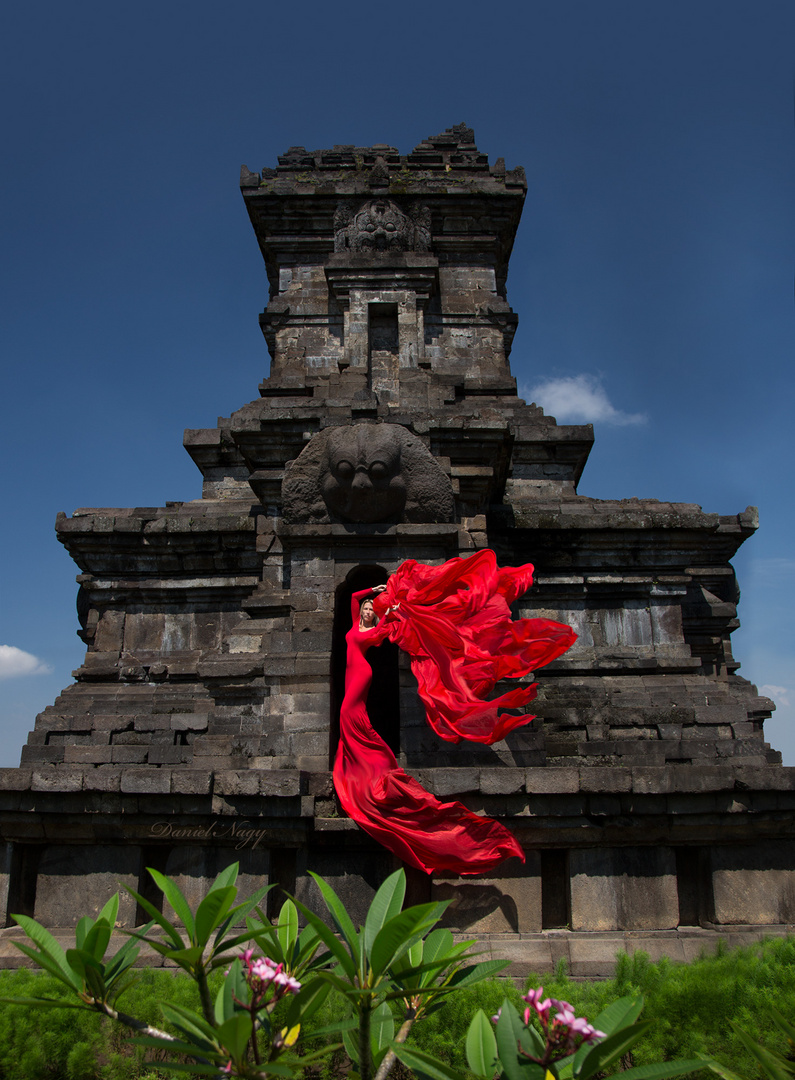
x=202, y=723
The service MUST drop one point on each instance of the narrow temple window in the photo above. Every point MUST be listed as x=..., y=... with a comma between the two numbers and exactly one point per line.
x=382, y=347
x=555, y=890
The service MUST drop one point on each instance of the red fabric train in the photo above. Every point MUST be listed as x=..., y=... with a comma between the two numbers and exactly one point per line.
x=455, y=623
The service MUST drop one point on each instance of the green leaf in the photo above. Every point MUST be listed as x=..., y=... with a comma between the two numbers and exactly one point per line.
x=619, y=1014
x=468, y=976
x=186, y=958
x=198, y=1068
x=110, y=911
x=343, y=986
x=161, y=947
x=611, y=1049
x=226, y=877
x=338, y=914
x=382, y=1031
x=288, y=929
x=234, y=1034
x=308, y=943
x=664, y=1069
x=400, y=933
x=773, y=1066
x=95, y=984
x=386, y=904
x=124, y=958
x=221, y=958
x=719, y=1069
x=327, y=936
x=784, y=1025
x=337, y=1028
x=481, y=1046
x=156, y=917
x=79, y=959
x=423, y=1063
x=233, y=986
x=82, y=929
x=237, y=914
x=438, y=943
x=511, y=1033
x=307, y=1001
x=351, y=1045
x=176, y=1046
x=42, y=1003
x=97, y=939
x=211, y=912
x=190, y=1023
x=176, y=899
x=68, y=977
x=48, y=947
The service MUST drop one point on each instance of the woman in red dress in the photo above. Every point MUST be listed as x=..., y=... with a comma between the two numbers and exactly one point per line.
x=455, y=622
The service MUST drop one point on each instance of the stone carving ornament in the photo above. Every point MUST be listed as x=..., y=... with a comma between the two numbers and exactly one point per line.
x=366, y=473
x=379, y=225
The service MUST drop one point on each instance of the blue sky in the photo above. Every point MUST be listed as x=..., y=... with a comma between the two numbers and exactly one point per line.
x=653, y=271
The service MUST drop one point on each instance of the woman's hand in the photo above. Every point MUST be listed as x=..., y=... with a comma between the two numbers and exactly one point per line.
x=378, y=588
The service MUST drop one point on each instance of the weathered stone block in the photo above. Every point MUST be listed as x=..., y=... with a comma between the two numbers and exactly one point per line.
x=145, y=781
x=605, y=780
x=630, y=888
x=103, y=778
x=15, y=779
x=92, y=755
x=501, y=781
x=754, y=883
x=191, y=782
x=564, y=781
x=58, y=779
x=282, y=782
x=74, y=881
x=497, y=903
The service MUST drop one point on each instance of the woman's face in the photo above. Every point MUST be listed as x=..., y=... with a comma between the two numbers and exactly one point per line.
x=366, y=614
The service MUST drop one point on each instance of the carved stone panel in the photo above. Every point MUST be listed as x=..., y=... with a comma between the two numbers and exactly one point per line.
x=380, y=225
x=366, y=473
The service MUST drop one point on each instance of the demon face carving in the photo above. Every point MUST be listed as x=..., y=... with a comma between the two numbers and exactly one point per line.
x=366, y=473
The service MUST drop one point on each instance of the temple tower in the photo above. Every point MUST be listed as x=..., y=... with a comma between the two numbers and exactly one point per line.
x=202, y=723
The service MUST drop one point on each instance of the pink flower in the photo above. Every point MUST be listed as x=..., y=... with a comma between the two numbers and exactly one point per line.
x=533, y=998
x=563, y=1031
x=264, y=970
x=287, y=983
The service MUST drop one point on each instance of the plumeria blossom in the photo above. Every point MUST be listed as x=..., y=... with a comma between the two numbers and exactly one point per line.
x=563, y=1032
x=263, y=975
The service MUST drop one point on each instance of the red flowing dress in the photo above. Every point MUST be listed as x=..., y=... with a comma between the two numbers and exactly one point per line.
x=455, y=622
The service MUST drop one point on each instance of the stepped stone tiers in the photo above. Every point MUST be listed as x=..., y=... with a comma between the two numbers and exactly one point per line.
x=203, y=721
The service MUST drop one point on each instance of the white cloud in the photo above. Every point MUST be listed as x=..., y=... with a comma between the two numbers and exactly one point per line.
x=773, y=570
x=780, y=694
x=579, y=399
x=14, y=661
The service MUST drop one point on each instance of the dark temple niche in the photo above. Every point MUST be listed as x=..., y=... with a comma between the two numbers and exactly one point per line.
x=366, y=473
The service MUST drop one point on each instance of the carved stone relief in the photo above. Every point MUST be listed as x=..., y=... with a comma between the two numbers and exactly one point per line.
x=366, y=473
x=380, y=225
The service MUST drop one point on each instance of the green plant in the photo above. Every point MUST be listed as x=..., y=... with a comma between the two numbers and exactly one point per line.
x=558, y=1045
x=261, y=1011
x=395, y=959
x=774, y=1066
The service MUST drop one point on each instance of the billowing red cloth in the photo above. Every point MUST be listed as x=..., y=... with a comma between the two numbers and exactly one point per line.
x=455, y=622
